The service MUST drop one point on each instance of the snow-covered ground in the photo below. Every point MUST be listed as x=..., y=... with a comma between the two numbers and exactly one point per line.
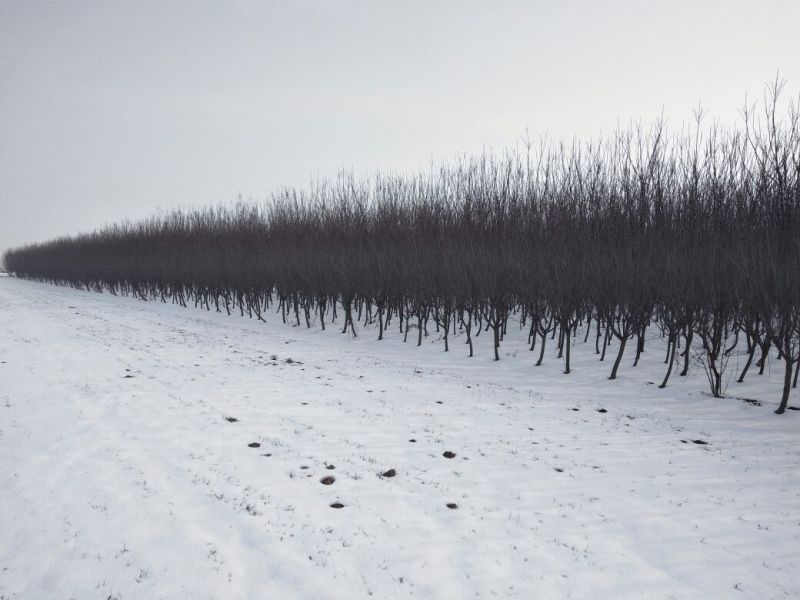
x=122, y=477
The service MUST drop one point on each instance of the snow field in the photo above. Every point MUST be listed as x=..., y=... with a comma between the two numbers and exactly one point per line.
x=121, y=475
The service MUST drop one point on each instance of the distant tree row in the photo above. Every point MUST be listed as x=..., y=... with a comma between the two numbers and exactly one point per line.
x=695, y=234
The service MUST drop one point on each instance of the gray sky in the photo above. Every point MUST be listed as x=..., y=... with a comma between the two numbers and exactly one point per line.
x=110, y=110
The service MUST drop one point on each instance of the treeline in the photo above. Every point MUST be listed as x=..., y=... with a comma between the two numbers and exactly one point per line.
x=695, y=235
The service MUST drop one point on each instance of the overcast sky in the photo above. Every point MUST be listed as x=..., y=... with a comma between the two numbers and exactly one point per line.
x=111, y=110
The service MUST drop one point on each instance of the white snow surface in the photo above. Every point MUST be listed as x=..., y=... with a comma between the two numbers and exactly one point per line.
x=121, y=478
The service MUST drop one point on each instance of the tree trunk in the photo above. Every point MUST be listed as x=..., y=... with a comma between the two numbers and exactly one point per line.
x=686, y=352
x=787, y=384
x=750, y=357
x=541, y=350
x=639, y=348
x=605, y=345
x=674, y=343
x=597, y=339
x=764, y=355
x=622, y=342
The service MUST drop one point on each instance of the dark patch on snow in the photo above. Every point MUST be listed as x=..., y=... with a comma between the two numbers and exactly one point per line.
x=793, y=408
x=413, y=441
x=448, y=454
x=684, y=441
x=254, y=445
x=330, y=467
x=303, y=467
x=602, y=410
x=438, y=402
x=452, y=505
x=337, y=505
x=328, y=480
x=559, y=469
x=128, y=376
x=751, y=401
x=267, y=454
x=700, y=442
x=231, y=419
x=389, y=473
x=576, y=409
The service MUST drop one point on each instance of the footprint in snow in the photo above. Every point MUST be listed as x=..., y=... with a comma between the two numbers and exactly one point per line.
x=327, y=480
x=452, y=505
x=254, y=445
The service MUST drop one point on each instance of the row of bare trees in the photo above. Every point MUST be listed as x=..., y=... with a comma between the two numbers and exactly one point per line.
x=695, y=235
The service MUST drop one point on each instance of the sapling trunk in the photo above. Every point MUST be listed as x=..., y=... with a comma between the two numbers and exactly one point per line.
x=623, y=340
x=672, y=343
